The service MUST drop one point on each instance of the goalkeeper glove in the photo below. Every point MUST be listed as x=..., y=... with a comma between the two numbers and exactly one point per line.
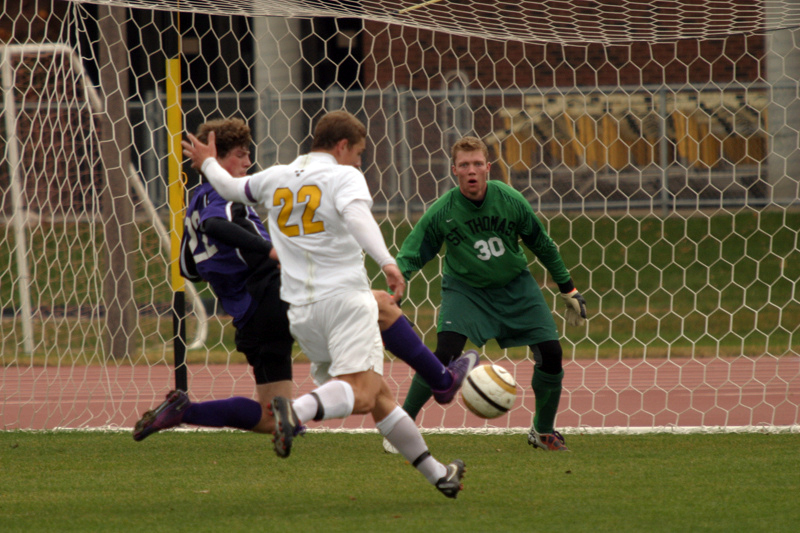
x=576, y=308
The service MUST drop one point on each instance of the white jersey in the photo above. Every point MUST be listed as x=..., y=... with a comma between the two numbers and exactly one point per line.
x=305, y=200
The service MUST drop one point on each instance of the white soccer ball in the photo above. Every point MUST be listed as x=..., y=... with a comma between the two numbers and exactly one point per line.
x=489, y=391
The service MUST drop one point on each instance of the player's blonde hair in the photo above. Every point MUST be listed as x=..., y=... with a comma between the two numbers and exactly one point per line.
x=334, y=127
x=469, y=144
x=230, y=133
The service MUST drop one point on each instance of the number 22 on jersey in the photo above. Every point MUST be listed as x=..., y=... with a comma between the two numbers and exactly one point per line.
x=308, y=199
x=208, y=249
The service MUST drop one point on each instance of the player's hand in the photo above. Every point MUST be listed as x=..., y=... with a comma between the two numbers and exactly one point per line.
x=576, y=308
x=198, y=151
x=395, y=281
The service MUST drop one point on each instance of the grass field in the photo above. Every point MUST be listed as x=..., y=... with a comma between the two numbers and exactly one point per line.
x=707, y=285
x=188, y=481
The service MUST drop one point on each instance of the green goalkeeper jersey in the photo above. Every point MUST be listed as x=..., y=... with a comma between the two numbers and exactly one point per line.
x=482, y=242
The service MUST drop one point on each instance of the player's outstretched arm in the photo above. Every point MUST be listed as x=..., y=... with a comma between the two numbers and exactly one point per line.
x=236, y=236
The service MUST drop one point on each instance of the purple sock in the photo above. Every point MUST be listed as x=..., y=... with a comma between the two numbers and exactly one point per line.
x=401, y=340
x=236, y=412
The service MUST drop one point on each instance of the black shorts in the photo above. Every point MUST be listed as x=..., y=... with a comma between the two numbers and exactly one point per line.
x=265, y=339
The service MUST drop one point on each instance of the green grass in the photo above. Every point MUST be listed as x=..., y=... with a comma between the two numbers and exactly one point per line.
x=705, y=285
x=72, y=481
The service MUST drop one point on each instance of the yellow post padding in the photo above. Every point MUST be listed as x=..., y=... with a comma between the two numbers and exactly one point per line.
x=176, y=178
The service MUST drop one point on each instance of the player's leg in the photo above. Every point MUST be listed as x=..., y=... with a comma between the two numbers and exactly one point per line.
x=402, y=433
x=340, y=336
x=548, y=374
x=236, y=412
x=272, y=371
x=337, y=398
x=464, y=313
x=267, y=343
x=530, y=322
x=266, y=392
x=449, y=346
x=272, y=364
x=400, y=339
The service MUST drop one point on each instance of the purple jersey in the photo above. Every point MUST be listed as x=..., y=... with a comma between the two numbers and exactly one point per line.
x=221, y=265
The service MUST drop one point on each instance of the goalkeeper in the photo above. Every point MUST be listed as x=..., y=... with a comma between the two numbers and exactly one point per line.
x=487, y=290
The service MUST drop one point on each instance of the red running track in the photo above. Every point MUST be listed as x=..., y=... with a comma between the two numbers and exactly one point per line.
x=620, y=393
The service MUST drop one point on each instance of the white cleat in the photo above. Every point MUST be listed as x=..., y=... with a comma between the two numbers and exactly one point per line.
x=388, y=448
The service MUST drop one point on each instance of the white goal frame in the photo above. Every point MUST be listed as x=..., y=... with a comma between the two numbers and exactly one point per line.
x=20, y=217
x=674, y=202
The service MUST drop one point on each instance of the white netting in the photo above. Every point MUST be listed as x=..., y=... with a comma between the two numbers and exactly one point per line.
x=658, y=141
x=532, y=21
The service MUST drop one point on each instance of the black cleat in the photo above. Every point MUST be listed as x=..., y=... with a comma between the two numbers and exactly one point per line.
x=287, y=427
x=450, y=485
x=167, y=415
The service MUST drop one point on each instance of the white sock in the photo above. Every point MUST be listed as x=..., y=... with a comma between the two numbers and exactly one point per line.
x=335, y=401
x=402, y=432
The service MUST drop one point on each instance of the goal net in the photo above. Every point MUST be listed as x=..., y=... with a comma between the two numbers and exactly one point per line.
x=659, y=143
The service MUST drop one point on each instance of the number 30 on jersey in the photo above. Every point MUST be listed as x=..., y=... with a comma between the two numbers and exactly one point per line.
x=493, y=247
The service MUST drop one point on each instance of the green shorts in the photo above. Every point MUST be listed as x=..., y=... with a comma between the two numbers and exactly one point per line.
x=514, y=315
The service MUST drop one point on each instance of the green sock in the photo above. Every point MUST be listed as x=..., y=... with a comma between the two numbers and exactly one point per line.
x=418, y=394
x=547, y=390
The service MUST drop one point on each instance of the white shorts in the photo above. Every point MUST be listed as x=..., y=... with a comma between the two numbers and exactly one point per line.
x=339, y=335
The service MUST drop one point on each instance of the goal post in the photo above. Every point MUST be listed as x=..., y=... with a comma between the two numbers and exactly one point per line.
x=12, y=150
x=176, y=210
x=63, y=69
x=12, y=53
x=659, y=147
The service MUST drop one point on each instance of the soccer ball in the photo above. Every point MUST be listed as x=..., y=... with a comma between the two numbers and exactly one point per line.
x=489, y=391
